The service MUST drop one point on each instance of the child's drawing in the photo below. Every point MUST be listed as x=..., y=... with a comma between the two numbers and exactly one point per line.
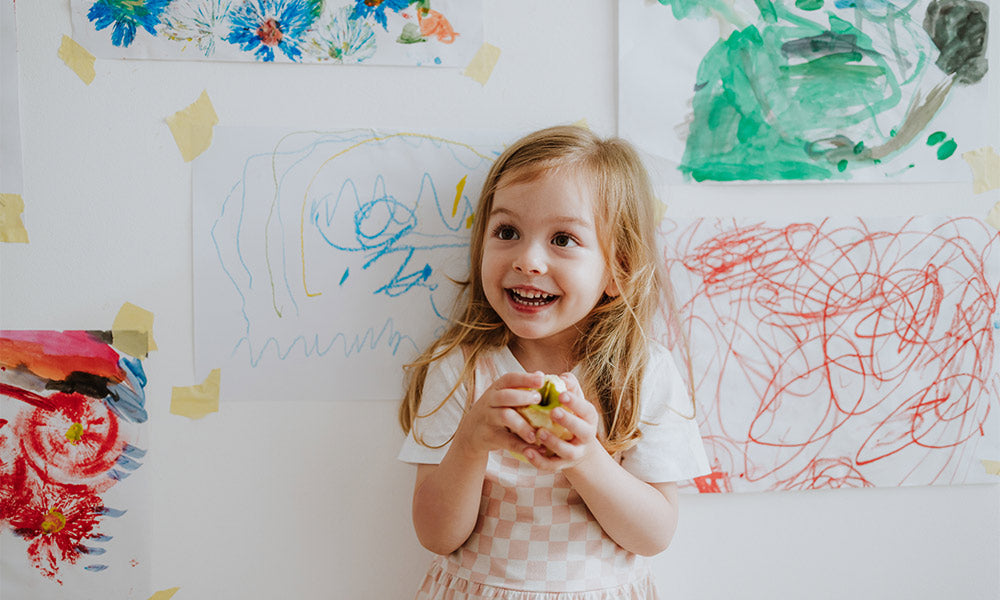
x=841, y=353
x=71, y=433
x=405, y=32
x=810, y=90
x=325, y=260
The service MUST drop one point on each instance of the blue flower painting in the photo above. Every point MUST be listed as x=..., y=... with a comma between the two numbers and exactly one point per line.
x=261, y=26
x=376, y=8
x=126, y=16
x=399, y=32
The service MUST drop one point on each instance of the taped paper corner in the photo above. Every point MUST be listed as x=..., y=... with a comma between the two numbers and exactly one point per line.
x=985, y=165
x=11, y=226
x=481, y=66
x=164, y=594
x=132, y=331
x=78, y=58
x=196, y=401
x=193, y=127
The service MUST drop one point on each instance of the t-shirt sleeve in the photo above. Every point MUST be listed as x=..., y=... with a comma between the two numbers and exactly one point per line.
x=670, y=448
x=436, y=423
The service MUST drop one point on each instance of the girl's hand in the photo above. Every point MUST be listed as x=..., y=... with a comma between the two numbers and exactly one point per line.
x=492, y=423
x=577, y=415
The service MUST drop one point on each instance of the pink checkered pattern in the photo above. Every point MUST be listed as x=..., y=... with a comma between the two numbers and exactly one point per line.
x=535, y=534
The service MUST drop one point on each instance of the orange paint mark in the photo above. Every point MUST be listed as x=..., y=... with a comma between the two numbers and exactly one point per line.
x=433, y=23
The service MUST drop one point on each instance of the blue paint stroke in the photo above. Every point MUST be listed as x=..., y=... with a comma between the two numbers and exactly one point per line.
x=118, y=475
x=127, y=399
x=133, y=452
x=110, y=512
x=95, y=568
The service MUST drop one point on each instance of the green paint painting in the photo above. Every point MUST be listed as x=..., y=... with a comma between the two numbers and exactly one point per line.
x=817, y=89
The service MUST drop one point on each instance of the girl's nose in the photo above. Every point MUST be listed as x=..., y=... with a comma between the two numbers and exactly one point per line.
x=530, y=260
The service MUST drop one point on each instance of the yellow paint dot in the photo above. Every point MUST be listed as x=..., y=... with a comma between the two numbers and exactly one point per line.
x=74, y=433
x=54, y=522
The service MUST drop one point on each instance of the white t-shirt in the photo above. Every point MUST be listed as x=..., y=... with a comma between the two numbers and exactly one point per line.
x=670, y=448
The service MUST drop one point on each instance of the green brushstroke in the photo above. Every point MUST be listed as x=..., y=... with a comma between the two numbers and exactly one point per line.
x=767, y=99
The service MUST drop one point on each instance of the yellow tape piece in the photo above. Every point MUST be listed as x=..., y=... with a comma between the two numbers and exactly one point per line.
x=132, y=331
x=199, y=400
x=11, y=226
x=78, y=58
x=482, y=63
x=993, y=219
x=193, y=126
x=992, y=466
x=985, y=165
x=164, y=594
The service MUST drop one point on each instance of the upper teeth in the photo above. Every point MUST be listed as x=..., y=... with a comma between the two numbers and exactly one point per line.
x=532, y=295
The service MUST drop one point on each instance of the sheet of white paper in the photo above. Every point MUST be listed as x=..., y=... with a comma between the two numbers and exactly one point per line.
x=76, y=525
x=841, y=352
x=10, y=124
x=323, y=261
x=394, y=32
x=841, y=93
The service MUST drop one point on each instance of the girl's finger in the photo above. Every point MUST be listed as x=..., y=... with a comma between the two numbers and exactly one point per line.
x=518, y=425
x=515, y=380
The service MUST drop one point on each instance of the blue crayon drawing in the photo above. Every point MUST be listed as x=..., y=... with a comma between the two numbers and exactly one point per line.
x=342, y=247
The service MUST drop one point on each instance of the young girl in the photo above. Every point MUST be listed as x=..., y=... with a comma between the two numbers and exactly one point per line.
x=564, y=280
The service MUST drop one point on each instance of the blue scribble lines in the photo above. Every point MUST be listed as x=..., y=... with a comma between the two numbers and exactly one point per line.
x=386, y=227
x=343, y=244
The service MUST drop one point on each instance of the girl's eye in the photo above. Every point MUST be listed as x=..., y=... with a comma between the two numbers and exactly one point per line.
x=563, y=240
x=505, y=232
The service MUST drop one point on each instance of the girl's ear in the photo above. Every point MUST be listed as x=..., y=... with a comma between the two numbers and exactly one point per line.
x=611, y=290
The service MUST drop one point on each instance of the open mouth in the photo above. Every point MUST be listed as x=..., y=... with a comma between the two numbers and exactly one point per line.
x=531, y=298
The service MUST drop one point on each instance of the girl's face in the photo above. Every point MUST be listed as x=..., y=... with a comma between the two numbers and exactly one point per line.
x=543, y=269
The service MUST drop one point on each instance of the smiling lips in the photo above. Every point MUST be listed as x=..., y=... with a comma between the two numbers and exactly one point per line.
x=530, y=298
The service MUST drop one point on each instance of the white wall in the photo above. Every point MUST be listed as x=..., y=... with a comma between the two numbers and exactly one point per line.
x=283, y=498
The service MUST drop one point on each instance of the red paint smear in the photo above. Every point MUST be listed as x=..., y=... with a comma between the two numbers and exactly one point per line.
x=55, y=355
x=25, y=396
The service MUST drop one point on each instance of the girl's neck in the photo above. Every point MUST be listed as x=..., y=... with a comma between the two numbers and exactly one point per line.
x=535, y=356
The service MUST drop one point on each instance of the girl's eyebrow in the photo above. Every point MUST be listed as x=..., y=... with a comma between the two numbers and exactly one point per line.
x=562, y=220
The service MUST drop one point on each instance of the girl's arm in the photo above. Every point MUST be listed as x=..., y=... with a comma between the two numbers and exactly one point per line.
x=641, y=517
x=446, y=496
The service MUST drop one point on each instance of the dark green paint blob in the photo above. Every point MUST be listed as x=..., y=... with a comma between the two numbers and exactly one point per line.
x=809, y=4
x=946, y=149
x=959, y=29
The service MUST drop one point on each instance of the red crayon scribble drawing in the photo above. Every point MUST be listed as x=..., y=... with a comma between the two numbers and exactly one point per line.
x=840, y=354
x=74, y=405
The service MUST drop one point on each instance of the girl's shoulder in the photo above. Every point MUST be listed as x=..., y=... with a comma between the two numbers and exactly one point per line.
x=664, y=390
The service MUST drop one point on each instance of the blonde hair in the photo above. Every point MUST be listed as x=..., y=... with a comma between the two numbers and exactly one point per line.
x=612, y=350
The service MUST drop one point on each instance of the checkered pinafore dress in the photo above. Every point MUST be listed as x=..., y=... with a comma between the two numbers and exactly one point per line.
x=535, y=539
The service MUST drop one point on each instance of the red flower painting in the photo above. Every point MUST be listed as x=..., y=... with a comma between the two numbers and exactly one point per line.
x=73, y=403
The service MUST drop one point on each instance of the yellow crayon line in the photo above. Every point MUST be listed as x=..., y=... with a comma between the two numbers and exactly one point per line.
x=458, y=194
